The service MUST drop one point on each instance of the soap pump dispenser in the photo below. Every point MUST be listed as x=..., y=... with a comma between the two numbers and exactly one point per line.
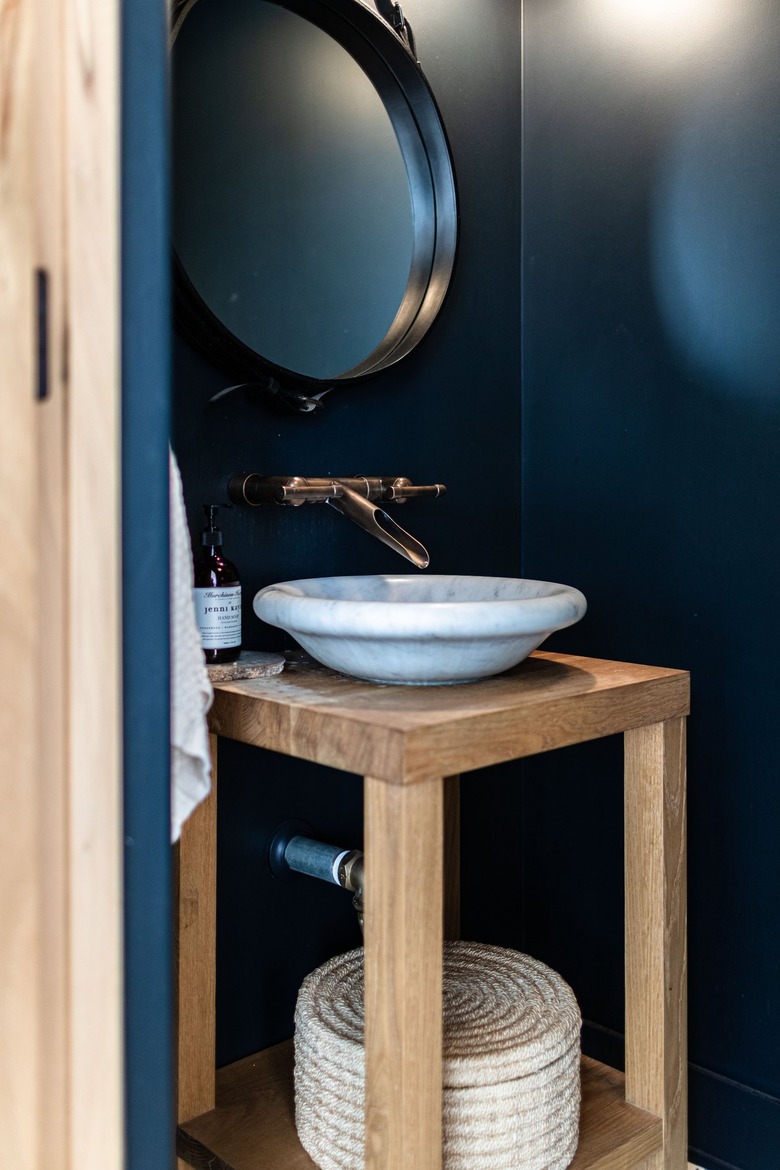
x=217, y=596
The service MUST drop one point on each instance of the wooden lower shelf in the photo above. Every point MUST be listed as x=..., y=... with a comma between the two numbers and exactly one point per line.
x=253, y=1126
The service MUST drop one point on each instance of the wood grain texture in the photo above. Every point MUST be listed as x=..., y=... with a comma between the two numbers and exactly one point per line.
x=404, y=829
x=46, y=1033
x=408, y=734
x=197, y=954
x=22, y=966
x=613, y=1134
x=61, y=1092
x=253, y=1126
x=452, y=857
x=53, y=530
x=91, y=127
x=656, y=954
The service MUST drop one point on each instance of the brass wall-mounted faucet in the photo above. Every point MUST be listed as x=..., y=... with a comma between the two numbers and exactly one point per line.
x=354, y=496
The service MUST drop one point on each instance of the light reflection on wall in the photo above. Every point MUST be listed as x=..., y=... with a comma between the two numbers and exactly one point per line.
x=716, y=228
x=659, y=31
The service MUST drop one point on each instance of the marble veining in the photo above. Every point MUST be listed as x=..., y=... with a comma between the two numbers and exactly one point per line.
x=420, y=629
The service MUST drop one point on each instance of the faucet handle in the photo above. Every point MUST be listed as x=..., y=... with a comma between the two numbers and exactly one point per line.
x=396, y=488
x=403, y=489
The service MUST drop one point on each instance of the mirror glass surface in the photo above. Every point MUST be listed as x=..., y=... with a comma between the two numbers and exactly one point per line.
x=292, y=211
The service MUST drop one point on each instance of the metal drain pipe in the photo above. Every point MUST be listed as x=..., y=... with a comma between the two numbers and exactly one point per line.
x=292, y=851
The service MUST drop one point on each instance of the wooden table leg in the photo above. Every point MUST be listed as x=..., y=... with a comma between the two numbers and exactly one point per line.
x=404, y=828
x=196, y=952
x=656, y=959
x=452, y=857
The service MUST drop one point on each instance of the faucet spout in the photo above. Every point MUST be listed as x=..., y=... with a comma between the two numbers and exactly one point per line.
x=374, y=520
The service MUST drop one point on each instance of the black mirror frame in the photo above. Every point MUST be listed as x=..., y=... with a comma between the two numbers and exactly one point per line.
x=386, y=55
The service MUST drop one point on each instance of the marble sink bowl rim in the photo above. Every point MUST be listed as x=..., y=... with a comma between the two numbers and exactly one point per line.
x=407, y=628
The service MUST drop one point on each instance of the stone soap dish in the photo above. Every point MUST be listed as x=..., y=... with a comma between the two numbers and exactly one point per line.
x=419, y=629
x=250, y=664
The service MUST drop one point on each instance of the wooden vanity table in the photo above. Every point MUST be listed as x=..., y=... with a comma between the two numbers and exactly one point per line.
x=411, y=745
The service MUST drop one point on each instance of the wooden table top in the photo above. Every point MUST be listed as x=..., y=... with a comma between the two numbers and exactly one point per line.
x=405, y=734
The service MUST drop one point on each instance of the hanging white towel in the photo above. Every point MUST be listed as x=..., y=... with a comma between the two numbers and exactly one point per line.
x=191, y=692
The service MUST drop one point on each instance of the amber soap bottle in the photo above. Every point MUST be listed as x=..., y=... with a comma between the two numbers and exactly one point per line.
x=217, y=595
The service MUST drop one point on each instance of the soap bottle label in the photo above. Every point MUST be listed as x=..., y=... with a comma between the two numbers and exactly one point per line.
x=218, y=613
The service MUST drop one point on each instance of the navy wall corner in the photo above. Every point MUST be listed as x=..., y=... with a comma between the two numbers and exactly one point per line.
x=651, y=426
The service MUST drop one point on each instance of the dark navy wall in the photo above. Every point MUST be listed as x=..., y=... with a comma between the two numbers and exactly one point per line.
x=651, y=473
x=146, y=376
x=650, y=428
x=449, y=413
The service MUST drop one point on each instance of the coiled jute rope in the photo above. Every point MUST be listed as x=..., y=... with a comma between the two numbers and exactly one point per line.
x=511, y=1068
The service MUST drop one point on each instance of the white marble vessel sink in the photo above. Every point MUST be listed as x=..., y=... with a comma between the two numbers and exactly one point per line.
x=419, y=629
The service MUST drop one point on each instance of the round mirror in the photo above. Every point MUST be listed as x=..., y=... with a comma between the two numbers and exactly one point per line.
x=314, y=213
